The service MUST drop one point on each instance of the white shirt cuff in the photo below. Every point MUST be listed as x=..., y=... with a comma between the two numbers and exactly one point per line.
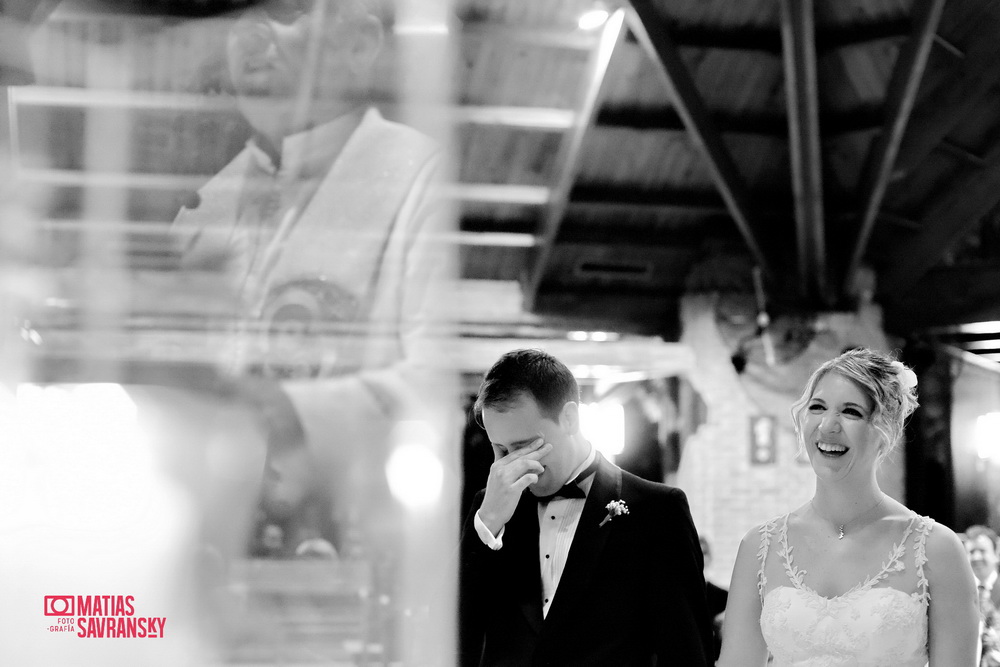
x=486, y=536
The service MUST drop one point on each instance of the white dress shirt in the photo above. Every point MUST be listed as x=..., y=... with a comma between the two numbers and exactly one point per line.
x=557, y=522
x=990, y=582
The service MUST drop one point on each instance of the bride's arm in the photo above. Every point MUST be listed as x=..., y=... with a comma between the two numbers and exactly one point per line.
x=742, y=643
x=953, y=617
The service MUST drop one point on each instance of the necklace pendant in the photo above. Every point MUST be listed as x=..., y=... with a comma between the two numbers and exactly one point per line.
x=841, y=535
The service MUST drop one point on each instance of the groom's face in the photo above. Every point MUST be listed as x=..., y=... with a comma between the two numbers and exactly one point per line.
x=522, y=422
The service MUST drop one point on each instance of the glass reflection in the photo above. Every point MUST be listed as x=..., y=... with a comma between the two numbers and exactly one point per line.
x=225, y=213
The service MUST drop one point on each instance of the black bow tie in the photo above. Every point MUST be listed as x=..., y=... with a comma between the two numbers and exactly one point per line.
x=572, y=488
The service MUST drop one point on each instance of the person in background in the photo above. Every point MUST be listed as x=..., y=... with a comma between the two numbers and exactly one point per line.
x=717, y=597
x=565, y=558
x=852, y=577
x=982, y=545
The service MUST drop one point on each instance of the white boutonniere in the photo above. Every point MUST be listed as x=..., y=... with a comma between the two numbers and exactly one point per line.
x=615, y=508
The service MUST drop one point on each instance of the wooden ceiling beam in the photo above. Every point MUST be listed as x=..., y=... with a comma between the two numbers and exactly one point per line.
x=768, y=40
x=495, y=193
x=900, y=98
x=650, y=207
x=569, y=151
x=863, y=119
x=986, y=361
x=553, y=38
x=952, y=86
x=651, y=31
x=802, y=95
x=970, y=328
x=489, y=239
x=991, y=345
x=948, y=302
x=600, y=196
x=742, y=38
x=534, y=118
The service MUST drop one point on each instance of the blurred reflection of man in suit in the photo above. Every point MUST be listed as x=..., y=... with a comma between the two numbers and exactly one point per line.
x=605, y=572
x=322, y=217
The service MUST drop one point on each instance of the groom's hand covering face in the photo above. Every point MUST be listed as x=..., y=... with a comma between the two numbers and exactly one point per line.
x=516, y=466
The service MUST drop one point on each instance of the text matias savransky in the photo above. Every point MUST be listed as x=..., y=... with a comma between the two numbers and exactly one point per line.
x=102, y=617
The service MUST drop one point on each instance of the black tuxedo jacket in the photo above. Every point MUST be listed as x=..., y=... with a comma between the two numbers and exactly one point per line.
x=632, y=592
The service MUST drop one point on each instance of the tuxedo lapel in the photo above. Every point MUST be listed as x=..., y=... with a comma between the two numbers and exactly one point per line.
x=588, y=542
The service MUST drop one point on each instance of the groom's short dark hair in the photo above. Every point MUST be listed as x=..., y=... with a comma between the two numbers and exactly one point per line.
x=533, y=372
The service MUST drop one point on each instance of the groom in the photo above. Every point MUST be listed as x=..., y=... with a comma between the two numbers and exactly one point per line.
x=567, y=559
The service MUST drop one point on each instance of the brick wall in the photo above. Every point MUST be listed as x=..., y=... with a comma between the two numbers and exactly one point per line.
x=729, y=494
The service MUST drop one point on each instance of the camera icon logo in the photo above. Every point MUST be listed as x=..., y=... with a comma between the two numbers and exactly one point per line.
x=60, y=605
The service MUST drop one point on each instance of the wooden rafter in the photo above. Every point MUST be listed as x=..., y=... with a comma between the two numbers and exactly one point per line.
x=902, y=93
x=572, y=144
x=653, y=35
x=744, y=38
x=767, y=124
x=535, y=118
x=969, y=197
x=768, y=40
x=991, y=345
x=952, y=85
x=802, y=93
x=945, y=296
x=663, y=199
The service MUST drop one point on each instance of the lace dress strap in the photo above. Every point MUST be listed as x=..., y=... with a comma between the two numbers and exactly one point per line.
x=923, y=528
x=795, y=575
x=766, y=530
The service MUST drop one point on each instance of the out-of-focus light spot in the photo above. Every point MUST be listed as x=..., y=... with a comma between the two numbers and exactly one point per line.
x=593, y=19
x=593, y=336
x=103, y=412
x=86, y=443
x=990, y=327
x=414, y=471
x=415, y=28
x=603, y=424
x=987, y=436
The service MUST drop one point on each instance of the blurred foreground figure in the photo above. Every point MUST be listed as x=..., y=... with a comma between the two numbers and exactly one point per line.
x=279, y=536
x=323, y=225
x=853, y=577
x=318, y=224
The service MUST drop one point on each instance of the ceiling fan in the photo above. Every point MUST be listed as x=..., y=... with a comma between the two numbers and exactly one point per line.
x=776, y=339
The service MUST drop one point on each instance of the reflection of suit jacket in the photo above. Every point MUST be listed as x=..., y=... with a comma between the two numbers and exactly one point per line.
x=632, y=593
x=355, y=232
x=364, y=232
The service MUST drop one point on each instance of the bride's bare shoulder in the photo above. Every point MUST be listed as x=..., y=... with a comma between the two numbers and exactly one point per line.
x=942, y=542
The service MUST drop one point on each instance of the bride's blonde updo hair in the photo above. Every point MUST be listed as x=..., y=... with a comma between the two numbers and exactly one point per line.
x=891, y=387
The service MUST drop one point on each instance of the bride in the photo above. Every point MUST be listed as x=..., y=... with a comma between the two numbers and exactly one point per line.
x=852, y=577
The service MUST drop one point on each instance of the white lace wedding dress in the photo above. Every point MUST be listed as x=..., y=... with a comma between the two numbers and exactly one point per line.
x=872, y=625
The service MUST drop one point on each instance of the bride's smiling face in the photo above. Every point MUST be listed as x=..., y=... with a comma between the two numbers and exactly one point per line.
x=837, y=429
